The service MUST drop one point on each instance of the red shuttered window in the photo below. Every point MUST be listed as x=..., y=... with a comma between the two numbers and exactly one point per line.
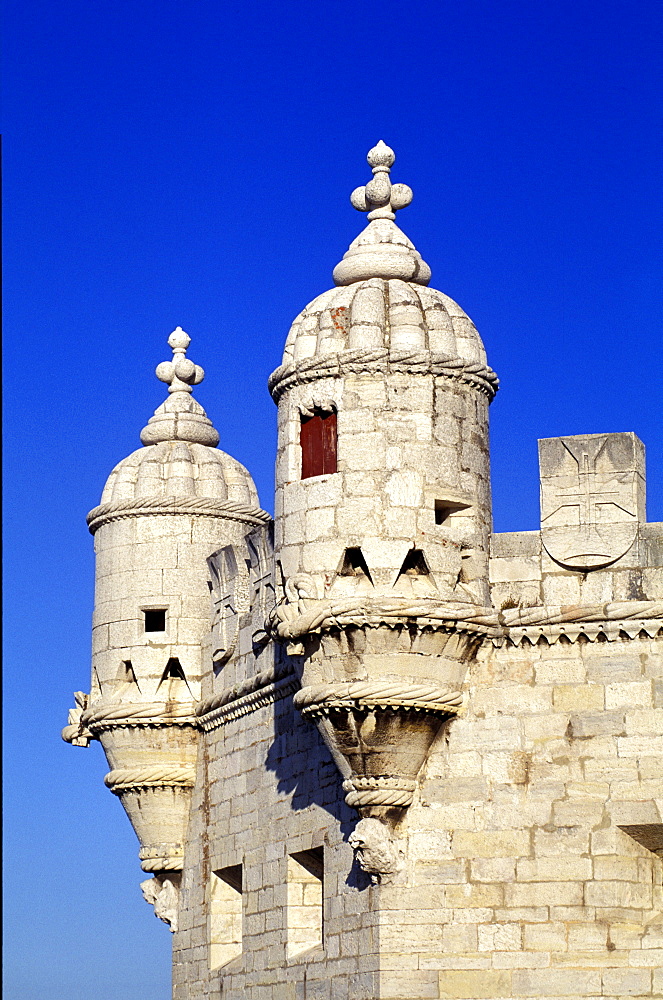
x=318, y=441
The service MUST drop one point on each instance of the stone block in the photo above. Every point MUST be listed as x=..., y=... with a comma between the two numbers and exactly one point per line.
x=627, y=982
x=475, y=984
x=543, y=894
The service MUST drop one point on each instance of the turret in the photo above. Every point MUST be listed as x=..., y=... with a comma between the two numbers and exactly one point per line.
x=163, y=511
x=383, y=512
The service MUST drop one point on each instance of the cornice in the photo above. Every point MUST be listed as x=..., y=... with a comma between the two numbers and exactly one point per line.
x=381, y=360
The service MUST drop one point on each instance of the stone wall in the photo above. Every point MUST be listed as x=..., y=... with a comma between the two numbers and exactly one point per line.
x=519, y=878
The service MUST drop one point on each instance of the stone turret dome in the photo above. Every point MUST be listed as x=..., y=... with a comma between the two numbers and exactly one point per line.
x=382, y=301
x=383, y=313
x=180, y=458
x=180, y=469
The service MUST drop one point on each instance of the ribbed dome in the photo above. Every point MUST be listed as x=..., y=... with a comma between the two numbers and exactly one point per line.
x=180, y=469
x=379, y=313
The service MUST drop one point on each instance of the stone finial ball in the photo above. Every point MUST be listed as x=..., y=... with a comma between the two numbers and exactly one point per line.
x=185, y=369
x=381, y=155
x=165, y=371
x=178, y=339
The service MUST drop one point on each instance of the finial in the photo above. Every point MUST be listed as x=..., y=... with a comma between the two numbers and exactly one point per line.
x=180, y=373
x=380, y=198
x=382, y=250
x=180, y=417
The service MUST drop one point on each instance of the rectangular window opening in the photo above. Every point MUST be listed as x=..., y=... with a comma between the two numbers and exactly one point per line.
x=445, y=508
x=305, y=901
x=155, y=620
x=318, y=439
x=225, y=916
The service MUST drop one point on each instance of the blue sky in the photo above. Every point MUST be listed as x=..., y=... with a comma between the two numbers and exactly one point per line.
x=189, y=162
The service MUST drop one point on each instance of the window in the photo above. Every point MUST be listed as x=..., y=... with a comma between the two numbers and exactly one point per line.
x=444, y=508
x=155, y=620
x=225, y=916
x=305, y=900
x=318, y=441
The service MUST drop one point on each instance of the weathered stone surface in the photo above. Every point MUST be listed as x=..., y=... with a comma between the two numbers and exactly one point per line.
x=490, y=705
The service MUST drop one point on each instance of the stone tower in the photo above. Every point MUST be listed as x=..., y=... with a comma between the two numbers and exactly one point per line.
x=164, y=510
x=375, y=751
x=383, y=512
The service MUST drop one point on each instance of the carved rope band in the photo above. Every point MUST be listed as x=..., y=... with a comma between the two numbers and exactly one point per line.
x=98, y=719
x=290, y=621
x=383, y=361
x=248, y=703
x=239, y=690
x=319, y=699
x=161, y=857
x=201, y=506
x=128, y=778
x=396, y=792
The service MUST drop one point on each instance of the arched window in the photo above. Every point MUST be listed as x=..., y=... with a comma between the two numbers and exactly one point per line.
x=318, y=441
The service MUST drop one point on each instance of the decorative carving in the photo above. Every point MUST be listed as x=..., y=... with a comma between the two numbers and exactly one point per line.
x=180, y=374
x=261, y=575
x=202, y=506
x=75, y=732
x=322, y=698
x=592, y=496
x=377, y=850
x=125, y=778
x=235, y=707
x=102, y=716
x=605, y=622
x=618, y=611
x=307, y=615
x=382, y=360
x=229, y=599
x=380, y=198
x=164, y=895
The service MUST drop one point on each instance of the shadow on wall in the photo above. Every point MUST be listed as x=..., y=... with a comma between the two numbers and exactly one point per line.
x=305, y=770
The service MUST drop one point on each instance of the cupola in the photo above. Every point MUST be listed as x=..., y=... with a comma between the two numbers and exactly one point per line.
x=164, y=510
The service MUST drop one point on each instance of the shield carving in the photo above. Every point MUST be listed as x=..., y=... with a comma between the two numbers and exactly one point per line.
x=230, y=597
x=592, y=497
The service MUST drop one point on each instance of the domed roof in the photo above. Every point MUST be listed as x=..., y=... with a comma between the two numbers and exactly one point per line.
x=180, y=469
x=180, y=458
x=382, y=300
x=377, y=312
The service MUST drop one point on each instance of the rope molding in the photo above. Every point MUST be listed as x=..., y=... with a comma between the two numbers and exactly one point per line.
x=320, y=698
x=291, y=621
x=559, y=614
x=608, y=631
x=239, y=690
x=161, y=857
x=202, y=506
x=360, y=791
x=382, y=360
x=127, y=778
x=155, y=713
x=249, y=703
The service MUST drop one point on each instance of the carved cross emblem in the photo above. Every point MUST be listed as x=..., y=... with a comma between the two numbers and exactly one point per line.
x=592, y=496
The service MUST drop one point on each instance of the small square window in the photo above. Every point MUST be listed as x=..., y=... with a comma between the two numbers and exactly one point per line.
x=445, y=508
x=155, y=620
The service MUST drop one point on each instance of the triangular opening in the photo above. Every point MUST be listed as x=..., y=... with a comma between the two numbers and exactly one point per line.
x=415, y=576
x=414, y=564
x=354, y=564
x=175, y=680
x=126, y=678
